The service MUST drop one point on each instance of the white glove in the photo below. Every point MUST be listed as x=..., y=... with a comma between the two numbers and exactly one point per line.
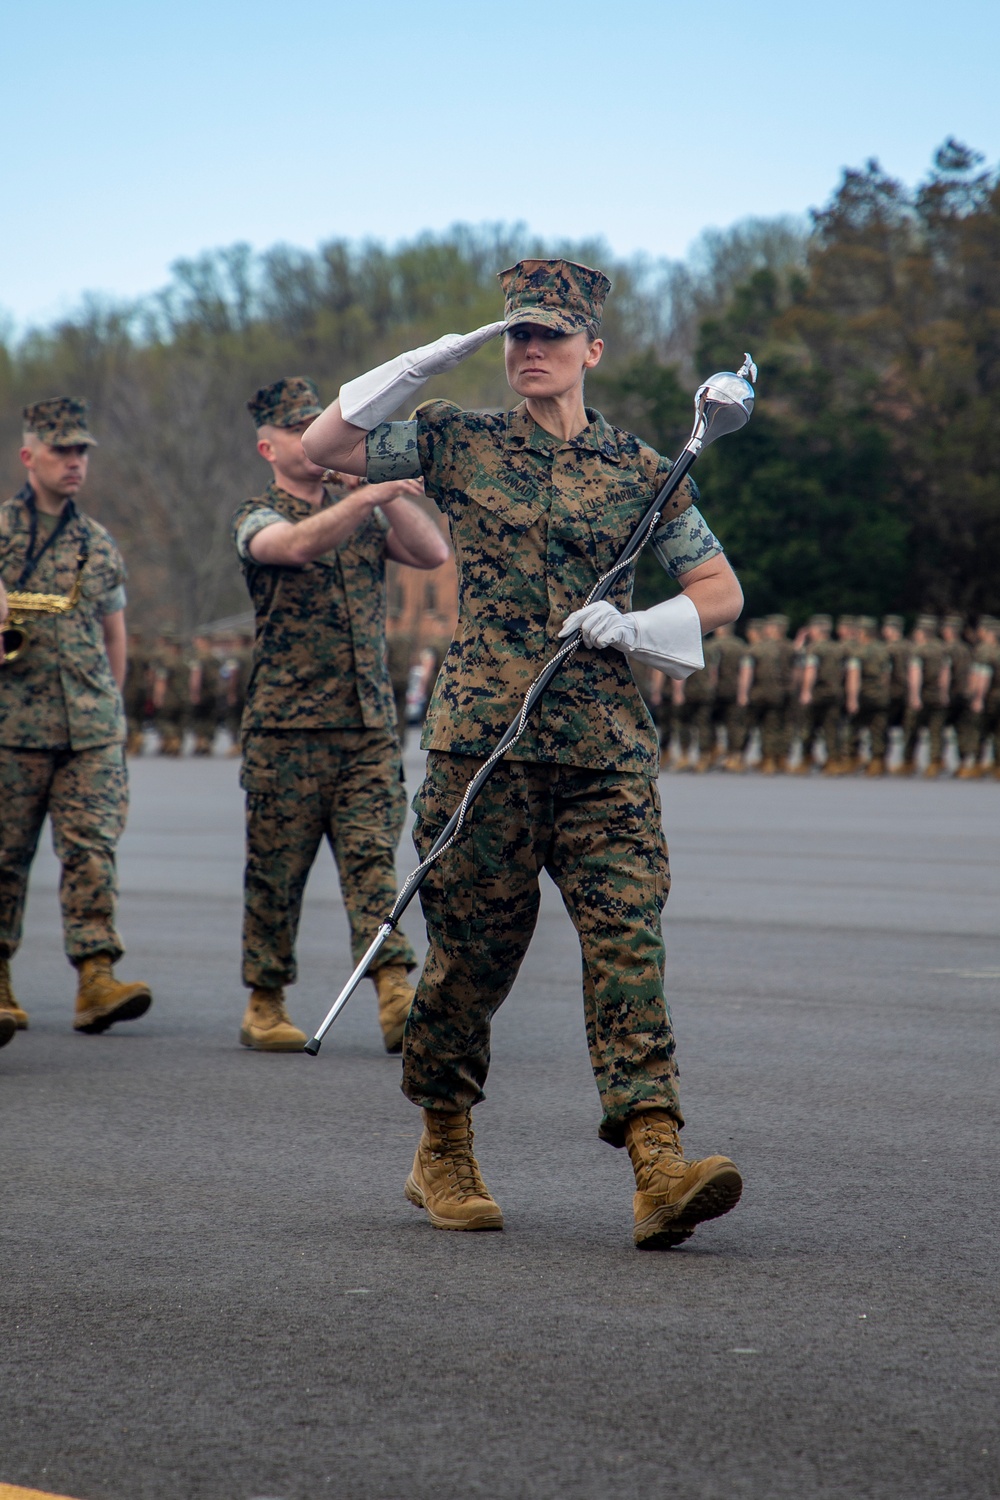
x=668, y=636
x=371, y=398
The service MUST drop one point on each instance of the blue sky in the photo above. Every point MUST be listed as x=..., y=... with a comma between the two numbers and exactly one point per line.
x=138, y=133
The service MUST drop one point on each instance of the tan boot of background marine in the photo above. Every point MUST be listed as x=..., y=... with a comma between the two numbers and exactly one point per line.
x=8, y=1028
x=101, y=1000
x=674, y=1196
x=266, y=1025
x=875, y=767
x=8, y=1003
x=445, y=1178
x=395, y=996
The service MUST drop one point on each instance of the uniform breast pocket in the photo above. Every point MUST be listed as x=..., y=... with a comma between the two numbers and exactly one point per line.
x=487, y=533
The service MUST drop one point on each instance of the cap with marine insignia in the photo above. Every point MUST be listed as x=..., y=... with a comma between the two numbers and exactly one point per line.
x=287, y=403
x=894, y=622
x=555, y=293
x=59, y=422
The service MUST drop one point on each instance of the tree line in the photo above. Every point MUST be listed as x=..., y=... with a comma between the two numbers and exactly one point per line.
x=868, y=480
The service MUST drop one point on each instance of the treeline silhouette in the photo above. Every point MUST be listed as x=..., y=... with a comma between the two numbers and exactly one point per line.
x=869, y=479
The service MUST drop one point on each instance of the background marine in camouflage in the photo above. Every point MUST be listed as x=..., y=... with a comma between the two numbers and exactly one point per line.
x=320, y=752
x=61, y=721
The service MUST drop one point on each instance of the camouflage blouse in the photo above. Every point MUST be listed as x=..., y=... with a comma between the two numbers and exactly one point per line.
x=319, y=657
x=59, y=692
x=535, y=521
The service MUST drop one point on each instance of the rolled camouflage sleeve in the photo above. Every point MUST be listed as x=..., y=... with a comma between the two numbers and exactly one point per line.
x=392, y=452
x=247, y=526
x=111, y=602
x=685, y=543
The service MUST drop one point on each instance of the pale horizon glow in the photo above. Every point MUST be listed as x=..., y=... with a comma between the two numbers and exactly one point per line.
x=142, y=135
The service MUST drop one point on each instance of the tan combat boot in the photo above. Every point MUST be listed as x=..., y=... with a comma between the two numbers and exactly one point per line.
x=674, y=1196
x=733, y=763
x=875, y=767
x=266, y=1025
x=934, y=769
x=395, y=996
x=134, y=743
x=445, y=1178
x=8, y=1028
x=101, y=1000
x=8, y=1002
x=768, y=766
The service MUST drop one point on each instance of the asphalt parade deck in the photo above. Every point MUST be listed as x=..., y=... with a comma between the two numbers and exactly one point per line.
x=212, y=1288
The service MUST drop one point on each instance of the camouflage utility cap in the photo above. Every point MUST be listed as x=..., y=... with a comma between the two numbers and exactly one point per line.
x=954, y=622
x=867, y=623
x=822, y=622
x=59, y=422
x=893, y=622
x=555, y=293
x=929, y=623
x=988, y=622
x=286, y=403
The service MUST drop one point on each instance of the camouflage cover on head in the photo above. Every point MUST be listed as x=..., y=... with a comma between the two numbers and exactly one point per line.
x=988, y=622
x=555, y=293
x=867, y=623
x=59, y=422
x=893, y=622
x=822, y=622
x=954, y=622
x=928, y=623
x=286, y=403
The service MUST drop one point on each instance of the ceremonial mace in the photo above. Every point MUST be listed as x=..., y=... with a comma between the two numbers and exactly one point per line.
x=722, y=404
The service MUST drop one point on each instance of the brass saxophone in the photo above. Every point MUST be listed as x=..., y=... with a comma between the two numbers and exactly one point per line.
x=23, y=606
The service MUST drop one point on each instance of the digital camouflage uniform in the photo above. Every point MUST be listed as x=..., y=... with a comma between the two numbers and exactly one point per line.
x=204, y=699
x=170, y=694
x=693, y=715
x=874, y=665
x=769, y=697
x=534, y=522
x=931, y=654
x=824, y=712
x=899, y=657
x=62, y=727
x=320, y=752
x=726, y=710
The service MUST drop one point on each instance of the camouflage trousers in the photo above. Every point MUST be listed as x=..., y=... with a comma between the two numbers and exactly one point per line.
x=344, y=785
x=822, y=716
x=933, y=720
x=599, y=836
x=875, y=718
x=694, y=722
x=771, y=720
x=732, y=716
x=85, y=793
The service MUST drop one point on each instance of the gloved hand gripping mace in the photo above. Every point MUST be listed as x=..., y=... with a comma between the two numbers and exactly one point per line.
x=723, y=404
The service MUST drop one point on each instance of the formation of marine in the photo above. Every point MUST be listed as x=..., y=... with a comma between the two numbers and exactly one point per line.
x=182, y=694
x=859, y=697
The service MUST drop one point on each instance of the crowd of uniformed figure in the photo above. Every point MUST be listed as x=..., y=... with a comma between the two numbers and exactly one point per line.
x=856, y=697
x=180, y=689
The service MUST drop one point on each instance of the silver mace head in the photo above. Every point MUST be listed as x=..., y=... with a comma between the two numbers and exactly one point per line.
x=722, y=404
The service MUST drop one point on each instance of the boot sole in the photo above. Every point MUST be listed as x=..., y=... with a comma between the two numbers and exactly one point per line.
x=486, y=1220
x=674, y=1223
x=8, y=1030
x=129, y=1010
x=247, y=1039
